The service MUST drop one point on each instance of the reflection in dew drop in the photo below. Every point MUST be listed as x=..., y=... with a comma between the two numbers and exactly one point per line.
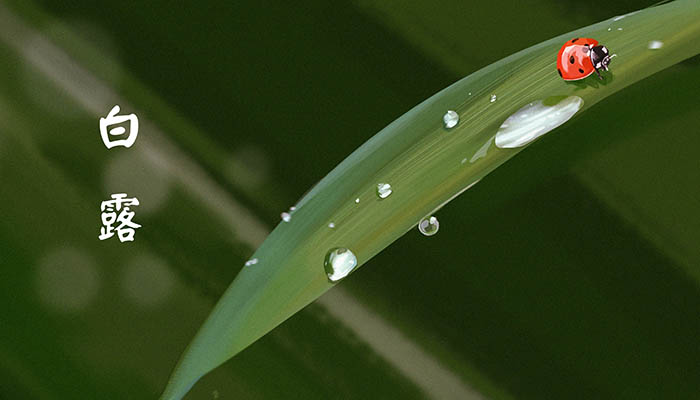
x=67, y=280
x=609, y=29
x=655, y=44
x=147, y=280
x=428, y=226
x=286, y=217
x=250, y=262
x=331, y=225
x=339, y=263
x=383, y=190
x=493, y=98
x=533, y=121
x=619, y=29
x=451, y=118
x=292, y=208
x=357, y=200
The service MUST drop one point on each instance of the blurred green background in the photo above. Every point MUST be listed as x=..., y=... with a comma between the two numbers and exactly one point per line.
x=572, y=271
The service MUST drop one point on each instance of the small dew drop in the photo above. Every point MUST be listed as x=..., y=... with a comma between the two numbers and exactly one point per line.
x=331, y=225
x=383, y=190
x=470, y=93
x=609, y=29
x=292, y=208
x=451, y=118
x=619, y=29
x=250, y=262
x=655, y=44
x=493, y=98
x=286, y=217
x=339, y=263
x=428, y=226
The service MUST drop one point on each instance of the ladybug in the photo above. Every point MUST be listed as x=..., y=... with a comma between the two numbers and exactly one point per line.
x=580, y=57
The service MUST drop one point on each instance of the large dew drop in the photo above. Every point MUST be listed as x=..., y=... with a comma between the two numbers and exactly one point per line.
x=534, y=120
x=383, y=190
x=429, y=226
x=339, y=263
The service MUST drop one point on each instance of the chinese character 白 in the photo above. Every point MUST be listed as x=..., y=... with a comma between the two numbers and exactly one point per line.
x=120, y=134
x=117, y=211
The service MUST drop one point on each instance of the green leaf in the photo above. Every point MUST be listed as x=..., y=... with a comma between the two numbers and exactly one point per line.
x=427, y=165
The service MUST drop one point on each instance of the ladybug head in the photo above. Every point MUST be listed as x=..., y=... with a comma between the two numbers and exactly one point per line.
x=600, y=56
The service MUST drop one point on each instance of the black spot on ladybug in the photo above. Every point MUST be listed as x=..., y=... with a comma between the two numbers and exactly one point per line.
x=558, y=70
x=572, y=59
x=574, y=40
x=580, y=70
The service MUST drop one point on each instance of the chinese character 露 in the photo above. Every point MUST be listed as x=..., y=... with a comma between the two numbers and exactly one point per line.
x=126, y=228
x=118, y=135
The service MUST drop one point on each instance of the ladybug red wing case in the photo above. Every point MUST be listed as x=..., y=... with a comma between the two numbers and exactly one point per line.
x=574, y=59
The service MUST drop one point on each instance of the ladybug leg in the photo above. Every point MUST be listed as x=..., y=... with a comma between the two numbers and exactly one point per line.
x=598, y=72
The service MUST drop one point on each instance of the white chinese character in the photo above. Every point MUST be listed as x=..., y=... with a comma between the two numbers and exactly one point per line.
x=119, y=131
x=126, y=229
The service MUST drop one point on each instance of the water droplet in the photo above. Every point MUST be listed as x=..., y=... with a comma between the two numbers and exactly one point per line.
x=331, y=225
x=609, y=29
x=428, y=226
x=383, y=190
x=619, y=29
x=339, y=263
x=250, y=262
x=533, y=121
x=470, y=93
x=493, y=98
x=286, y=217
x=655, y=44
x=292, y=208
x=357, y=200
x=450, y=119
